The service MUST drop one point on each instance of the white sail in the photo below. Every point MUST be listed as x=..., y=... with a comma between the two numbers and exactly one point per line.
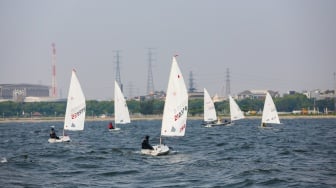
x=121, y=113
x=270, y=114
x=176, y=105
x=235, y=111
x=76, y=107
x=209, y=108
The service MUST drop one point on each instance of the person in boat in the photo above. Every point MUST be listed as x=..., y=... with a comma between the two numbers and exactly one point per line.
x=145, y=143
x=110, y=126
x=53, y=133
x=263, y=124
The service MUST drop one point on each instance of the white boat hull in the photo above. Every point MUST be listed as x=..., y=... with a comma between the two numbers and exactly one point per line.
x=61, y=139
x=158, y=150
x=214, y=124
x=115, y=129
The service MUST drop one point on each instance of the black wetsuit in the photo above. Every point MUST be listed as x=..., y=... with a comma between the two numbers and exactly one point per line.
x=53, y=135
x=145, y=144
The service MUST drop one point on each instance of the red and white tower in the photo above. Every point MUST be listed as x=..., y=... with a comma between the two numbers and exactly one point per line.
x=53, y=79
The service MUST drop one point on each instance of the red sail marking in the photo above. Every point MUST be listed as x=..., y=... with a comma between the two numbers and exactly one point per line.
x=183, y=127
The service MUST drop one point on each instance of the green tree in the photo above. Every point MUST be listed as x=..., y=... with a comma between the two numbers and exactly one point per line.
x=146, y=106
x=195, y=107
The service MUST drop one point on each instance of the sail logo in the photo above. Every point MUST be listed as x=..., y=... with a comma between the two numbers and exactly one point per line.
x=77, y=114
x=180, y=114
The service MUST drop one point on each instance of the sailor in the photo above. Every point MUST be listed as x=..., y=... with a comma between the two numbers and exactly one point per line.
x=145, y=143
x=110, y=126
x=53, y=133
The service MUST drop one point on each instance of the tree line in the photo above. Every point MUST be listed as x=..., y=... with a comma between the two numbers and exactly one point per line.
x=288, y=103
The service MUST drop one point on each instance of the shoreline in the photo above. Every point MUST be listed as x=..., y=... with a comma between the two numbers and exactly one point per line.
x=155, y=117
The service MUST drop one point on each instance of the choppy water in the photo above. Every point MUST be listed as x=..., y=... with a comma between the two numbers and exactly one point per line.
x=298, y=153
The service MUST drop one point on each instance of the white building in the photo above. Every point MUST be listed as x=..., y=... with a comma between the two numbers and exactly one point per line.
x=257, y=94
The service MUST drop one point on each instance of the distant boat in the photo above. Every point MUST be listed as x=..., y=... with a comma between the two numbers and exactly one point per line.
x=270, y=114
x=121, y=113
x=210, y=116
x=235, y=112
x=75, y=110
x=175, y=111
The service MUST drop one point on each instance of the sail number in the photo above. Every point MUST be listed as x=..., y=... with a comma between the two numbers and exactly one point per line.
x=180, y=114
x=75, y=115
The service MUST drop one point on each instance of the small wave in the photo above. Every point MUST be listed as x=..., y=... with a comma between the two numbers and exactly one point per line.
x=66, y=173
x=274, y=182
x=285, y=152
x=300, y=150
x=221, y=144
x=243, y=183
x=116, y=173
x=86, y=166
x=258, y=171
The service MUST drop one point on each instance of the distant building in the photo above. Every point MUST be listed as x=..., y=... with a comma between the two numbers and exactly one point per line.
x=159, y=95
x=25, y=93
x=217, y=98
x=257, y=94
x=291, y=92
x=319, y=94
x=196, y=95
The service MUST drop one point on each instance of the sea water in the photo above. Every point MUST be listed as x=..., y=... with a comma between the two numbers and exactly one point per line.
x=297, y=153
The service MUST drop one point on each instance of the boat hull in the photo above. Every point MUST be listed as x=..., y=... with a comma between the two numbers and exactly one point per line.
x=157, y=151
x=211, y=124
x=115, y=129
x=61, y=139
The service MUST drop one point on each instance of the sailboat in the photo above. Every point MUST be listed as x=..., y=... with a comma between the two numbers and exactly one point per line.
x=235, y=112
x=174, y=120
x=75, y=110
x=121, y=113
x=210, y=116
x=270, y=114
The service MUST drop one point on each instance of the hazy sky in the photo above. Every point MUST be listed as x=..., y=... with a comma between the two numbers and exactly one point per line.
x=267, y=44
